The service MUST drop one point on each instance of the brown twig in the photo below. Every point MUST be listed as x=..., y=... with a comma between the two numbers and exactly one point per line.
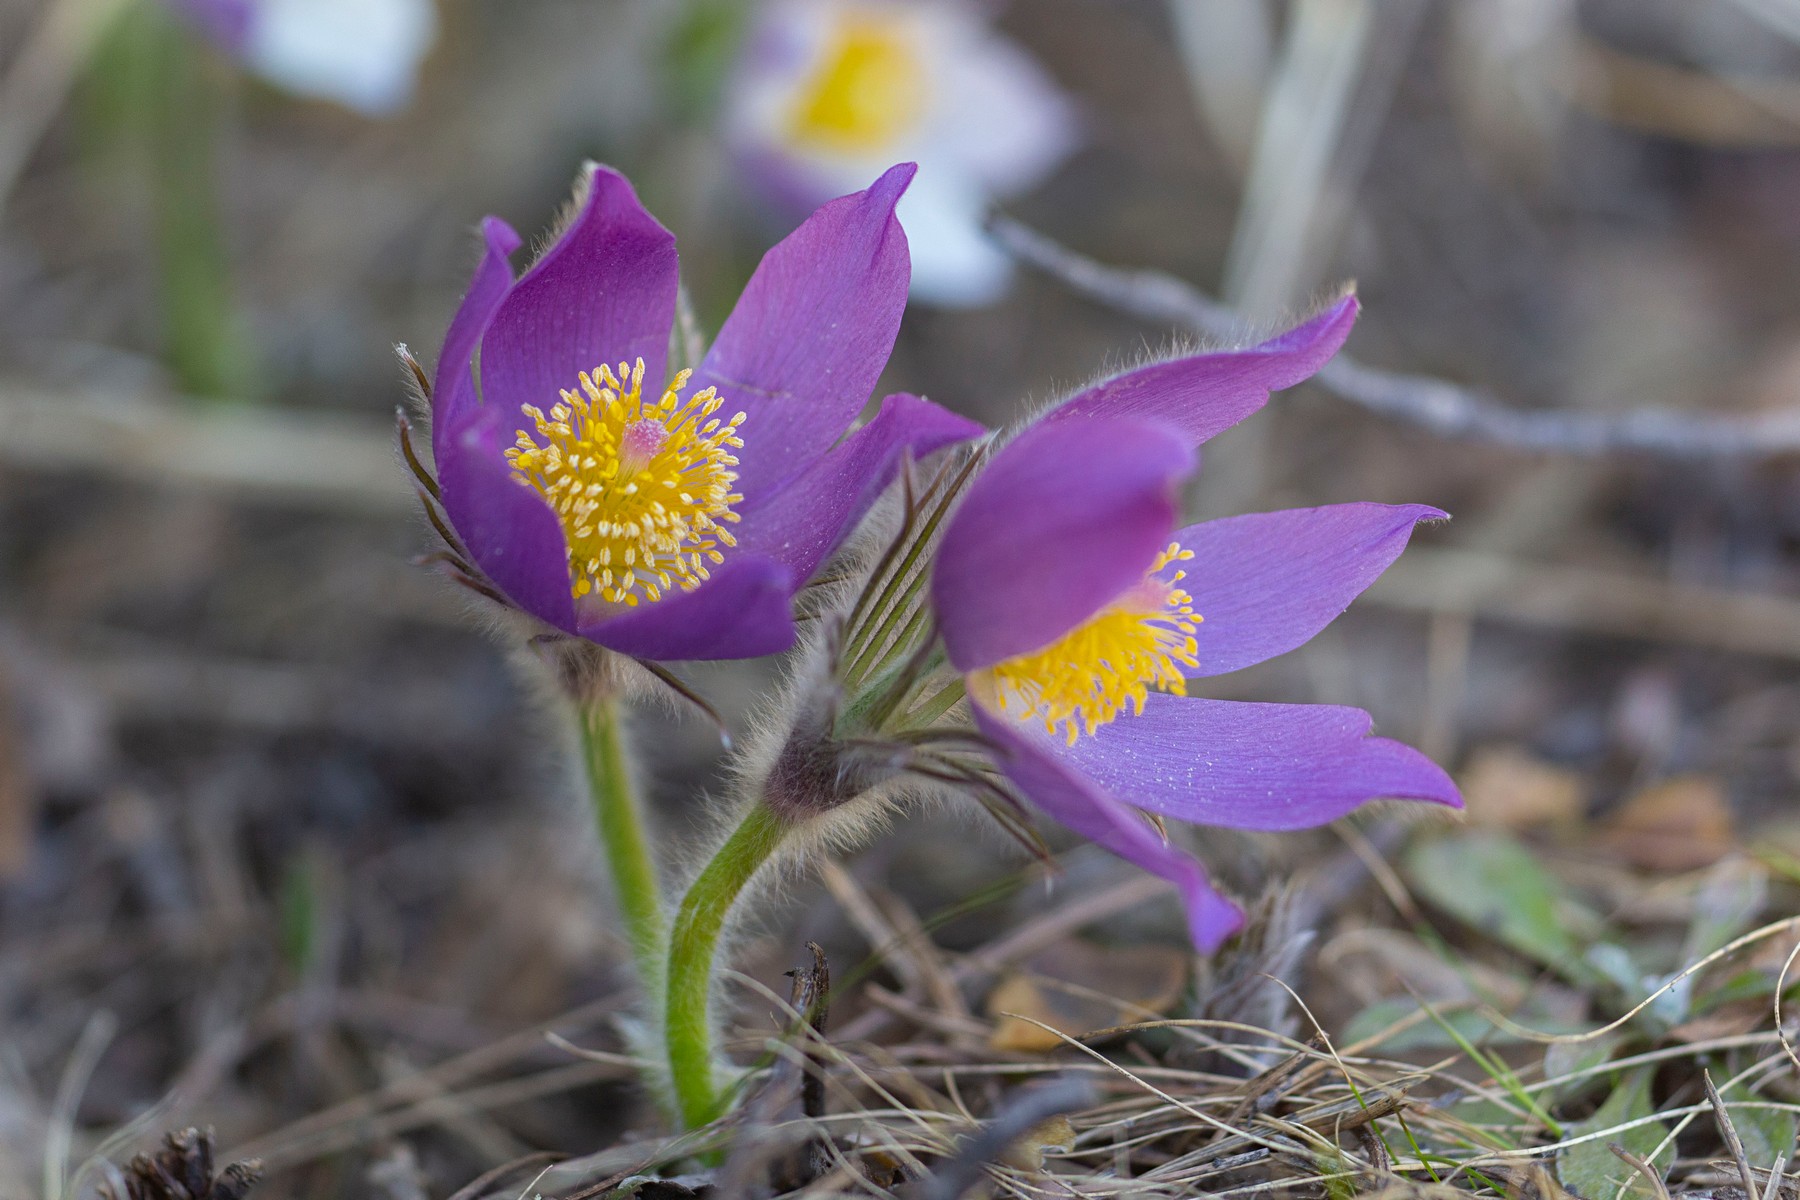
x=1729, y=1132
x=1643, y=1168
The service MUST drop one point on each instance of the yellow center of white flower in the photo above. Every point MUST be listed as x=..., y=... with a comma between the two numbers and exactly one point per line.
x=643, y=491
x=1110, y=662
x=867, y=90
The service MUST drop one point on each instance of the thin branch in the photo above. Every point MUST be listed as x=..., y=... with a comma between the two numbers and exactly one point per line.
x=1436, y=405
x=1638, y=1164
x=1729, y=1132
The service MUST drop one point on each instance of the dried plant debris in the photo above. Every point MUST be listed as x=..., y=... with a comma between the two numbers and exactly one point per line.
x=183, y=1170
x=1587, y=1057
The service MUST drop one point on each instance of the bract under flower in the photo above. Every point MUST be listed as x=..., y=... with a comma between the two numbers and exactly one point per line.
x=829, y=89
x=678, y=527
x=1067, y=598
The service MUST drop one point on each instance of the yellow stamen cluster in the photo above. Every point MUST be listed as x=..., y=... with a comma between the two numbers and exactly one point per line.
x=1108, y=664
x=643, y=490
x=867, y=91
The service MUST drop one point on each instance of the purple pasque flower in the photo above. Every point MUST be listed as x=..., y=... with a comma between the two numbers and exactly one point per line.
x=826, y=91
x=1077, y=612
x=673, y=518
x=226, y=22
x=364, y=54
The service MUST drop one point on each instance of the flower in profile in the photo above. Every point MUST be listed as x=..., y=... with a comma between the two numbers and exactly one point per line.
x=364, y=54
x=672, y=516
x=827, y=91
x=1077, y=613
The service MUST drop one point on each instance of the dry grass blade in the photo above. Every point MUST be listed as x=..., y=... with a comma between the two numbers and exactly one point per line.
x=476, y=1186
x=96, y=1036
x=1650, y=1174
x=1777, y=1179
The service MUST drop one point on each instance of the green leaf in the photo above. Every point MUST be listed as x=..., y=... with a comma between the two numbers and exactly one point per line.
x=1490, y=881
x=1580, y=1060
x=1744, y=985
x=1590, y=1169
x=698, y=56
x=1726, y=905
x=1423, y=1034
x=297, y=904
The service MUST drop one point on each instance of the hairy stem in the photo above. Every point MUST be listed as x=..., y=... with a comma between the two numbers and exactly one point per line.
x=687, y=1025
x=620, y=819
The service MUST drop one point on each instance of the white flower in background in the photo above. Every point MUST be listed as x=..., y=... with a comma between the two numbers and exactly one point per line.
x=829, y=93
x=364, y=54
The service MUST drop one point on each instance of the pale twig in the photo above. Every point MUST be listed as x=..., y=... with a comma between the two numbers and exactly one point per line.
x=1777, y=1176
x=39, y=78
x=325, y=461
x=1436, y=405
x=1575, y=597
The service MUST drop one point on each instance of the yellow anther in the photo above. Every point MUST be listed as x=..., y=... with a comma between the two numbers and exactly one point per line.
x=606, y=462
x=1109, y=663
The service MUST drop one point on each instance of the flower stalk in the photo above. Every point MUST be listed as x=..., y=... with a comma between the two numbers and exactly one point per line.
x=619, y=817
x=693, y=943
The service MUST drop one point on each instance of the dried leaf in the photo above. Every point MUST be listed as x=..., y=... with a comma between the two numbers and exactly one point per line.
x=1110, y=986
x=1507, y=787
x=1677, y=825
x=1027, y=1154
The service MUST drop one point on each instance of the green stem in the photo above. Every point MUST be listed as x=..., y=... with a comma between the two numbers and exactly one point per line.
x=621, y=822
x=687, y=1026
x=159, y=92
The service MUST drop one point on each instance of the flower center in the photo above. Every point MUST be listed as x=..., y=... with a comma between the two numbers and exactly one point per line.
x=643, y=491
x=1109, y=663
x=867, y=90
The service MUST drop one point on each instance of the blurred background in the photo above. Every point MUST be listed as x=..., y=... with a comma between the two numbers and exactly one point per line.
x=283, y=845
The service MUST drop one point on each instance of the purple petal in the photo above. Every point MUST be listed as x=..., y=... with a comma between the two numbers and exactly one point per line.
x=802, y=350
x=743, y=611
x=1062, y=521
x=1203, y=394
x=453, y=396
x=603, y=294
x=512, y=534
x=1253, y=766
x=1089, y=811
x=1267, y=582
x=226, y=22
x=809, y=517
